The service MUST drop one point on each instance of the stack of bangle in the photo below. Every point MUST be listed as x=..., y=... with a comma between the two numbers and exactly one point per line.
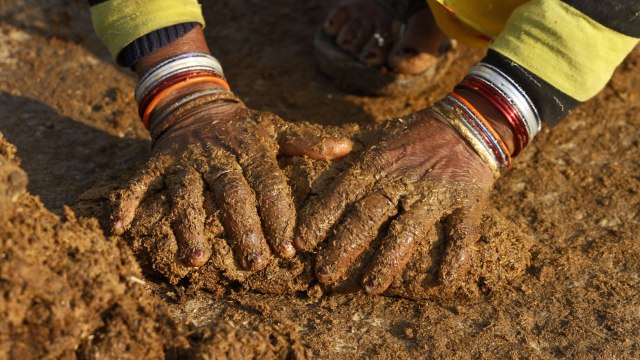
x=171, y=75
x=508, y=98
x=499, y=90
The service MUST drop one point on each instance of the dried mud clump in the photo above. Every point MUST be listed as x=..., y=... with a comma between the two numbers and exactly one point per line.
x=66, y=291
x=501, y=255
x=13, y=181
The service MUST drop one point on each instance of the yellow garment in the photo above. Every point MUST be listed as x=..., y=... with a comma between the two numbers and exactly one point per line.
x=564, y=47
x=473, y=22
x=120, y=22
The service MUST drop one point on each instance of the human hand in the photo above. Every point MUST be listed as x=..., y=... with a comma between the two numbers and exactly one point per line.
x=217, y=156
x=418, y=172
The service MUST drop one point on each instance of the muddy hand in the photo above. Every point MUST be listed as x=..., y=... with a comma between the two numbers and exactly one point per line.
x=419, y=172
x=221, y=149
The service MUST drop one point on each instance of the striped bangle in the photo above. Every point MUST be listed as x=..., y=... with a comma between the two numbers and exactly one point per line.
x=173, y=74
x=187, y=105
x=477, y=120
x=154, y=121
x=170, y=81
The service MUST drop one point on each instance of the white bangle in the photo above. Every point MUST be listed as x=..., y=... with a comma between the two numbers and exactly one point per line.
x=512, y=92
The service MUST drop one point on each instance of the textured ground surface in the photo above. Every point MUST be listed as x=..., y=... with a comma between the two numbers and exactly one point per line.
x=567, y=216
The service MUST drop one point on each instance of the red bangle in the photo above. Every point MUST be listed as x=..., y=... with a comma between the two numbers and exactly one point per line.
x=169, y=82
x=521, y=135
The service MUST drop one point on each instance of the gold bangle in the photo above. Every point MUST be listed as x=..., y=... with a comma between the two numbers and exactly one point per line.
x=468, y=135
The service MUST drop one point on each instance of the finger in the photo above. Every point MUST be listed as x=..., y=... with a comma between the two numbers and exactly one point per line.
x=464, y=225
x=408, y=230
x=239, y=216
x=275, y=202
x=349, y=33
x=313, y=141
x=355, y=234
x=125, y=202
x=362, y=37
x=186, y=188
x=319, y=215
x=317, y=148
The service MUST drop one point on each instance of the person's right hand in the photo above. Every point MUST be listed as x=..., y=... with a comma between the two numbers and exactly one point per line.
x=222, y=150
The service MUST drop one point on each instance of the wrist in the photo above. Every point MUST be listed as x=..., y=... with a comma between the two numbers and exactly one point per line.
x=177, y=74
x=193, y=41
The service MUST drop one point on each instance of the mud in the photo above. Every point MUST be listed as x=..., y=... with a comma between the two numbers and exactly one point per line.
x=69, y=292
x=555, y=274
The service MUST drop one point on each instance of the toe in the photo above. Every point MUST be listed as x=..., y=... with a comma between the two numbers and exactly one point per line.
x=376, y=50
x=364, y=34
x=348, y=35
x=417, y=49
x=408, y=59
x=335, y=21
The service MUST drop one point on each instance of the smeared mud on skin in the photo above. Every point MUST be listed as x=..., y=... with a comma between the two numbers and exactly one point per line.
x=200, y=198
x=153, y=242
x=66, y=291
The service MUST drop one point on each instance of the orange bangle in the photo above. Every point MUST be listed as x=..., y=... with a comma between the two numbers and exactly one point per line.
x=186, y=82
x=487, y=124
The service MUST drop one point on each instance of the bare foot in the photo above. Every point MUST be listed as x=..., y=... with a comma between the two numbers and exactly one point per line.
x=368, y=31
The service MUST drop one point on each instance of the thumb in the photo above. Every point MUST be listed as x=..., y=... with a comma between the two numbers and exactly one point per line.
x=313, y=140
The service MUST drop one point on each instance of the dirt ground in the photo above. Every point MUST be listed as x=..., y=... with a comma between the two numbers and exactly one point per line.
x=557, y=271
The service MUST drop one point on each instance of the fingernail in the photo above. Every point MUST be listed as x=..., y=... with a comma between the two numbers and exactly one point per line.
x=323, y=275
x=287, y=250
x=117, y=228
x=444, y=276
x=300, y=244
x=256, y=262
x=198, y=257
x=370, y=285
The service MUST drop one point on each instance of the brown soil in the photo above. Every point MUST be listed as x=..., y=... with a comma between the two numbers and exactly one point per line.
x=556, y=274
x=67, y=291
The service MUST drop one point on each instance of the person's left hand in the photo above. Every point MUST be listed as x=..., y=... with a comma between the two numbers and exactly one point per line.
x=419, y=171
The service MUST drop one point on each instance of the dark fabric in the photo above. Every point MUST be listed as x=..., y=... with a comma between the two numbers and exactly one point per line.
x=552, y=104
x=402, y=10
x=152, y=42
x=622, y=16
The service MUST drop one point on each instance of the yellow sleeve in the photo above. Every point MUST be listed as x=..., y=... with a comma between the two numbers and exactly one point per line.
x=473, y=23
x=569, y=50
x=120, y=22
